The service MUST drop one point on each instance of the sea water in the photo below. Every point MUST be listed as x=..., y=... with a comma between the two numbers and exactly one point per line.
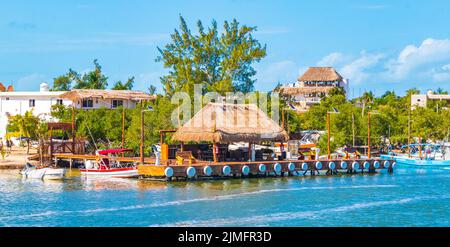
x=408, y=197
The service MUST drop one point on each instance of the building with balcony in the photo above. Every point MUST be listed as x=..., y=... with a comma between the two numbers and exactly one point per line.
x=312, y=86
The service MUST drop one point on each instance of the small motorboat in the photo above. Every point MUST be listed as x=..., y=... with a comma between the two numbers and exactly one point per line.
x=34, y=172
x=434, y=156
x=108, y=166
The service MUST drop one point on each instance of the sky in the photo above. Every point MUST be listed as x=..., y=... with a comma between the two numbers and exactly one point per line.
x=377, y=45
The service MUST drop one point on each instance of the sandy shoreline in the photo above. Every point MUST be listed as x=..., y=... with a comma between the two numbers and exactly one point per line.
x=15, y=159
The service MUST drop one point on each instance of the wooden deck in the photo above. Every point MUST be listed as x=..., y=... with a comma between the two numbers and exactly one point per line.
x=169, y=170
x=263, y=168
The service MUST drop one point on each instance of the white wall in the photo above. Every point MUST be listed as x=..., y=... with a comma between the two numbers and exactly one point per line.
x=18, y=104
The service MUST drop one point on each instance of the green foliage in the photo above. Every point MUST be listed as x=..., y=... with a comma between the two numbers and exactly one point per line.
x=62, y=83
x=391, y=120
x=220, y=62
x=94, y=79
x=104, y=126
x=124, y=86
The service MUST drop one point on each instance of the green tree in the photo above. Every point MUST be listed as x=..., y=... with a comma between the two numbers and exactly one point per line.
x=94, y=79
x=26, y=125
x=124, y=86
x=220, y=62
x=62, y=83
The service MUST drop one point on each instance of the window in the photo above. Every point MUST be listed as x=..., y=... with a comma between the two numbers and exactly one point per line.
x=32, y=103
x=117, y=103
x=88, y=103
x=59, y=102
x=7, y=98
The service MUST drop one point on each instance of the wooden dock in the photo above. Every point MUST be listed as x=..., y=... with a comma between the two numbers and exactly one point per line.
x=206, y=170
x=169, y=170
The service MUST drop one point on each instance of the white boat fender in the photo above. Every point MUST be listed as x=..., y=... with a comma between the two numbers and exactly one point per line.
x=277, y=168
x=376, y=164
x=366, y=165
x=226, y=170
x=207, y=171
x=190, y=172
x=318, y=165
x=305, y=166
x=331, y=165
x=262, y=168
x=386, y=164
x=168, y=172
x=89, y=164
x=245, y=170
x=355, y=165
x=394, y=164
x=291, y=167
x=344, y=165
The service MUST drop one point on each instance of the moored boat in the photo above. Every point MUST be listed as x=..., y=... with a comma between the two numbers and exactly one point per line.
x=30, y=171
x=107, y=166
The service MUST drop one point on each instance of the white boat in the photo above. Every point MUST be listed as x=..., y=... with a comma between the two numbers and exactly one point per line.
x=30, y=171
x=107, y=166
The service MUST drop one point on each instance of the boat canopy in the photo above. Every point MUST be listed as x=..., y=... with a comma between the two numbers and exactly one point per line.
x=114, y=151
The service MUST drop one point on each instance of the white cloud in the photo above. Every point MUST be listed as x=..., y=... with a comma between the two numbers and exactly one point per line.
x=331, y=60
x=441, y=74
x=30, y=82
x=412, y=57
x=357, y=70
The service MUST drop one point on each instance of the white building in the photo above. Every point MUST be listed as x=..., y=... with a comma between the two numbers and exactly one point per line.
x=312, y=86
x=421, y=100
x=17, y=103
x=41, y=102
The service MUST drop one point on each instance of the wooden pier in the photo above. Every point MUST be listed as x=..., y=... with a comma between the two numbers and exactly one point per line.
x=210, y=170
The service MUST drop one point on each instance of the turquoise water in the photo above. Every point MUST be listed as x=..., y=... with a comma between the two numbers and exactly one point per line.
x=409, y=197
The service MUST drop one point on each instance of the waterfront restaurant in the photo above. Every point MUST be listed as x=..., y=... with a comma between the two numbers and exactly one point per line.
x=312, y=86
x=223, y=123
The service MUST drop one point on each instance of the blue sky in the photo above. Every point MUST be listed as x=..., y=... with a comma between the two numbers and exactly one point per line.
x=378, y=45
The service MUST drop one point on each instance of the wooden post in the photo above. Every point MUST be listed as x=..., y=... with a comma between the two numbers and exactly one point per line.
x=142, y=138
x=368, y=136
x=123, y=130
x=250, y=151
x=420, y=147
x=73, y=130
x=214, y=152
x=328, y=136
x=409, y=133
x=51, y=145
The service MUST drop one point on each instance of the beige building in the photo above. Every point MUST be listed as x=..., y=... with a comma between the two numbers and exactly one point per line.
x=421, y=100
x=312, y=86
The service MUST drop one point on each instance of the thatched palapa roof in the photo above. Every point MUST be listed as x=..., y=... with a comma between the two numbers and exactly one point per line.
x=320, y=74
x=224, y=123
x=77, y=94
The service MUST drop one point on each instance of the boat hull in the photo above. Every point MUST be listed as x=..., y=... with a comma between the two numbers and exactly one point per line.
x=115, y=172
x=420, y=162
x=44, y=173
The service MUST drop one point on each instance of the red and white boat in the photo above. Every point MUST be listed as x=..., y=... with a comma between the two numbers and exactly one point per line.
x=108, y=166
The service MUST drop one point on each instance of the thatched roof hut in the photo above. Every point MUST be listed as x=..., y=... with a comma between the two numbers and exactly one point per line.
x=225, y=123
x=79, y=94
x=320, y=74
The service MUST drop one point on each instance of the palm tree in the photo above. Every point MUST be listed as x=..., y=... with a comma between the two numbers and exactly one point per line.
x=366, y=98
